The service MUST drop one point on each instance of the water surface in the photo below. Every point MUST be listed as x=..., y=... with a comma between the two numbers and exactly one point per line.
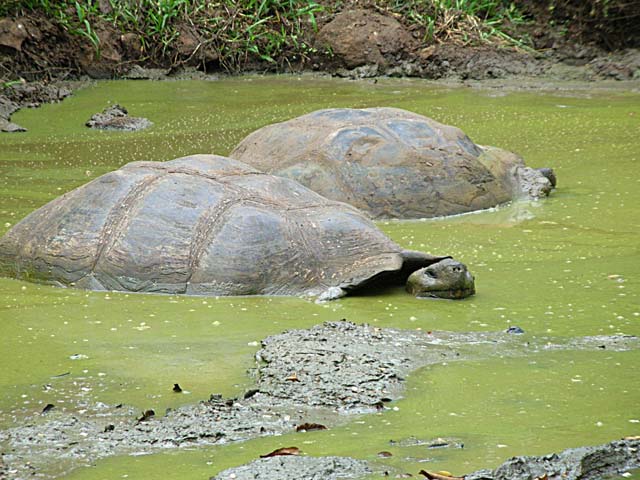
x=564, y=267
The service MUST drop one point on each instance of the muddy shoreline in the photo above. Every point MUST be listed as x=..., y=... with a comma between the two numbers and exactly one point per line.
x=37, y=93
x=324, y=375
x=584, y=463
x=42, y=62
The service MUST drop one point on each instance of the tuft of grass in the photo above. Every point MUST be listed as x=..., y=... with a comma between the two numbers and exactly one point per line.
x=463, y=22
x=239, y=31
x=269, y=32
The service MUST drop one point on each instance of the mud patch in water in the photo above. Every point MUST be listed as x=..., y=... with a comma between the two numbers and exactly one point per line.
x=302, y=376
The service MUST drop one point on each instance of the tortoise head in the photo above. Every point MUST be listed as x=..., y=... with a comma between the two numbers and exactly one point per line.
x=447, y=278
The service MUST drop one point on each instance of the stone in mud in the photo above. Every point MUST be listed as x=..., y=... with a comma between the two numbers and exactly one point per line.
x=116, y=117
x=391, y=163
x=584, y=463
x=363, y=37
x=297, y=468
x=12, y=33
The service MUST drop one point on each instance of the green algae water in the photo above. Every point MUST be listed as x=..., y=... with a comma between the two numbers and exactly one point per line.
x=564, y=267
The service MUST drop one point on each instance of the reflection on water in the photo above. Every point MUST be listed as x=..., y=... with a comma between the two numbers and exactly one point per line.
x=563, y=267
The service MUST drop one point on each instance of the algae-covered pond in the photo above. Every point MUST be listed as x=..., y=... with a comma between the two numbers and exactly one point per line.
x=564, y=267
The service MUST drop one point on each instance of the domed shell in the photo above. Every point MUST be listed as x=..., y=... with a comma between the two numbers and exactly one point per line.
x=202, y=224
x=388, y=162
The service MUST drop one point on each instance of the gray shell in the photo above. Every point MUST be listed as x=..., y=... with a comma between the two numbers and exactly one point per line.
x=202, y=224
x=389, y=162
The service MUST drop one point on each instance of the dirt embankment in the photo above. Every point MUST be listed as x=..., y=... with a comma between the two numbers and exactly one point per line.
x=357, y=39
x=353, y=40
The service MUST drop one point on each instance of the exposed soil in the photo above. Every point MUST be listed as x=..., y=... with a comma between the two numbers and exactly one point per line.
x=356, y=42
x=34, y=48
x=314, y=375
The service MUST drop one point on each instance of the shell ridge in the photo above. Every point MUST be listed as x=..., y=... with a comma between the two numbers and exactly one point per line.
x=117, y=218
x=207, y=227
x=191, y=171
x=297, y=222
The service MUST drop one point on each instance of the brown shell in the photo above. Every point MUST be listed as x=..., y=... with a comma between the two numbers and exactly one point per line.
x=202, y=224
x=388, y=162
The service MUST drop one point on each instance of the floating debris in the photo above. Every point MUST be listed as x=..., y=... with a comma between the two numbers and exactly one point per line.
x=146, y=415
x=310, y=427
x=282, y=451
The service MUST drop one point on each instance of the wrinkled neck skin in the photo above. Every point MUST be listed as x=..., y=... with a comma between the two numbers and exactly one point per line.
x=425, y=276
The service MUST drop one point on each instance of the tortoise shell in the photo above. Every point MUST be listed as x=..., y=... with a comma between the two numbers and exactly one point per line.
x=390, y=163
x=202, y=224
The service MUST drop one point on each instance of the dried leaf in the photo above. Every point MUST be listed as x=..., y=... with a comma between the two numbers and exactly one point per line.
x=48, y=407
x=385, y=454
x=293, y=377
x=282, y=451
x=441, y=475
x=543, y=477
x=309, y=427
x=146, y=415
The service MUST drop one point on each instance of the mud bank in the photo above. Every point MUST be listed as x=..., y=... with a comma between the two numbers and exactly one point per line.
x=352, y=39
x=293, y=468
x=314, y=375
x=584, y=463
x=30, y=95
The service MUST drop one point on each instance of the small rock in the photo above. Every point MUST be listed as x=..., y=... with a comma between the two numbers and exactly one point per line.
x=515, y=330
x=9, y=127
x=117, y=117
x=140, y=73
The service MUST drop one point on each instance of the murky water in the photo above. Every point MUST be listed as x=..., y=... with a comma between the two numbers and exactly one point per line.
x=564, y=267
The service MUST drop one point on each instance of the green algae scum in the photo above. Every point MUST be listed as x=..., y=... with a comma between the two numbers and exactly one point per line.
x=559, y=268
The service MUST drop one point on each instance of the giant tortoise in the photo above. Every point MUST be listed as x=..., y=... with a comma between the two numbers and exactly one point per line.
x=209, y=225
x=391, y=163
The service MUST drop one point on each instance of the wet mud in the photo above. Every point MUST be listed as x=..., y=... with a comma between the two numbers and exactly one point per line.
x=29, y=95
x=315, y=375
x=584, y=463
x=297, y=468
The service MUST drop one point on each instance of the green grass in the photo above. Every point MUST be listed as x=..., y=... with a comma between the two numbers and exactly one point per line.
x=239, y=31
x=273, y=33
x=460, y=21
